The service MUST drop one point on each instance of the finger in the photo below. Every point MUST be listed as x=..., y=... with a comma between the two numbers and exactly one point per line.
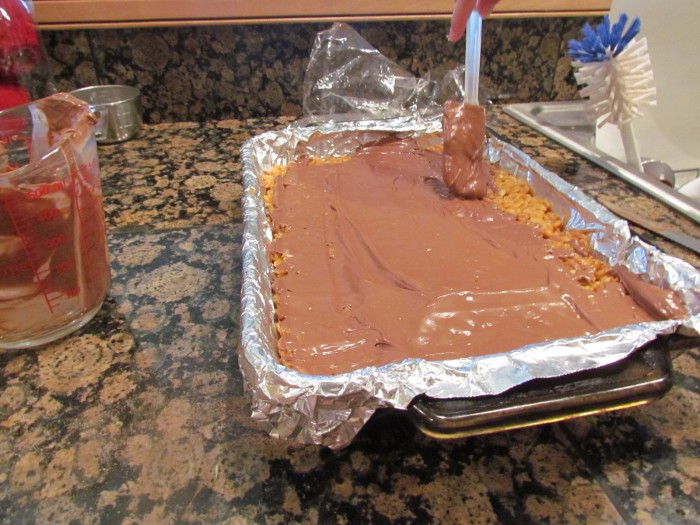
x=460, y=15
x=486, y=7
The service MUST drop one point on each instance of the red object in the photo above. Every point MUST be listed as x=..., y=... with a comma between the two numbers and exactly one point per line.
x=12, y=95
x=19, y=41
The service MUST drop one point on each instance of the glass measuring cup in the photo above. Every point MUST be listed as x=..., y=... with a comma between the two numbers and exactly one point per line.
x=54, y=269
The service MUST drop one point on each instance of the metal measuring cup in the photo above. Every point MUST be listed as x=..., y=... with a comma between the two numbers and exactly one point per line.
x=54, y=269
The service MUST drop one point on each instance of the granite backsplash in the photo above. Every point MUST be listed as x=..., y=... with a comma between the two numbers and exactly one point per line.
x=245, y=71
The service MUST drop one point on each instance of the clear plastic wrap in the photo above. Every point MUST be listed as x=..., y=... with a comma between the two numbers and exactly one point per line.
x=348, y=76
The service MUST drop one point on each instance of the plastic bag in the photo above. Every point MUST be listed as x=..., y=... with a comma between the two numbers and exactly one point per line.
x=347, y=76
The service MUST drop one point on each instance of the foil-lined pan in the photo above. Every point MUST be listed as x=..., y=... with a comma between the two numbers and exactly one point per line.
x=330, y=410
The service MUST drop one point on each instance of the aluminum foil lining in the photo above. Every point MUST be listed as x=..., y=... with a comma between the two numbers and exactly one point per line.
x=330, y=410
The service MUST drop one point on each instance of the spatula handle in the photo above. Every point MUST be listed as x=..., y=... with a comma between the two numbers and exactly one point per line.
x=472, y=59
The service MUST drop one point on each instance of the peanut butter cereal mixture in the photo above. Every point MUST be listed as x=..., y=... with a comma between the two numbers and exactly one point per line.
x=514, y=195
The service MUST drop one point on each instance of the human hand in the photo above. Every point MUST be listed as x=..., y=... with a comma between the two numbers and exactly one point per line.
x=463, y=9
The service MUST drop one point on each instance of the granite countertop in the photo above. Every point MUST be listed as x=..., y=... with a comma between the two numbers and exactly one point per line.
x=141, y=416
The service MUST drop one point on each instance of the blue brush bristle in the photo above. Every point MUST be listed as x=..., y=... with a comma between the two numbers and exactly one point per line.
x=603, y=42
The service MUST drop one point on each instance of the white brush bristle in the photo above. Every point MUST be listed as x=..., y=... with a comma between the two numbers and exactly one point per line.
x=619, y=87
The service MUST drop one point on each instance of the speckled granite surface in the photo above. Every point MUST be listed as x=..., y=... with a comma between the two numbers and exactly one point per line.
x=141, y=417
x=215, y=72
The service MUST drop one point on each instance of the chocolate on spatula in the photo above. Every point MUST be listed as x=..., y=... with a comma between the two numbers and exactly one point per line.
x=465, y=170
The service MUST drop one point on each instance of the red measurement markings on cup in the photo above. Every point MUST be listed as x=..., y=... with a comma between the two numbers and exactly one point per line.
x=45, y=189
x=36, y=222
x=47, y=215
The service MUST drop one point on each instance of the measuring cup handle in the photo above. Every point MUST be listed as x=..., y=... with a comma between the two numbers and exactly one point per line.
x=101, y=126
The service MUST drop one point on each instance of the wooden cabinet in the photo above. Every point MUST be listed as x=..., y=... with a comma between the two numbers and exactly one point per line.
x=69, y=14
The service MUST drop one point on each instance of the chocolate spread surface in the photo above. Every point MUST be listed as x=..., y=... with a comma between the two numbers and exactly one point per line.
x=658, y=302
x=465, y=171
x=380, y=263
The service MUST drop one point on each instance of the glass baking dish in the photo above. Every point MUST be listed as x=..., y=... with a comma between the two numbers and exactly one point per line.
x=461, y=397
x=643, y=377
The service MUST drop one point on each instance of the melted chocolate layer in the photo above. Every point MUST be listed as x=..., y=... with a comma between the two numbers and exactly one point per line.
x=661, y=304
x=380, y=264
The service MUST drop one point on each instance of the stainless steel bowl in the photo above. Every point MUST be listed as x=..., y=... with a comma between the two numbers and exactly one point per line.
x=118, y=108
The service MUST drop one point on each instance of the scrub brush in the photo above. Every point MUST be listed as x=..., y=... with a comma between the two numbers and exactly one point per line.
x=614, y=68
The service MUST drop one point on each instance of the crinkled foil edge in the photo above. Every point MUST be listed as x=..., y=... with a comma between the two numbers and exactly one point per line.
x=330, y=410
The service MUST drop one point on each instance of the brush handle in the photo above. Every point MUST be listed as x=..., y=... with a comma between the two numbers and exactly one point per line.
x=472, y=59
x=630, y=144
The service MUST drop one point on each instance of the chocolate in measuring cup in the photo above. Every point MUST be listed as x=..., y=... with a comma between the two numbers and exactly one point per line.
x=54, y=269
